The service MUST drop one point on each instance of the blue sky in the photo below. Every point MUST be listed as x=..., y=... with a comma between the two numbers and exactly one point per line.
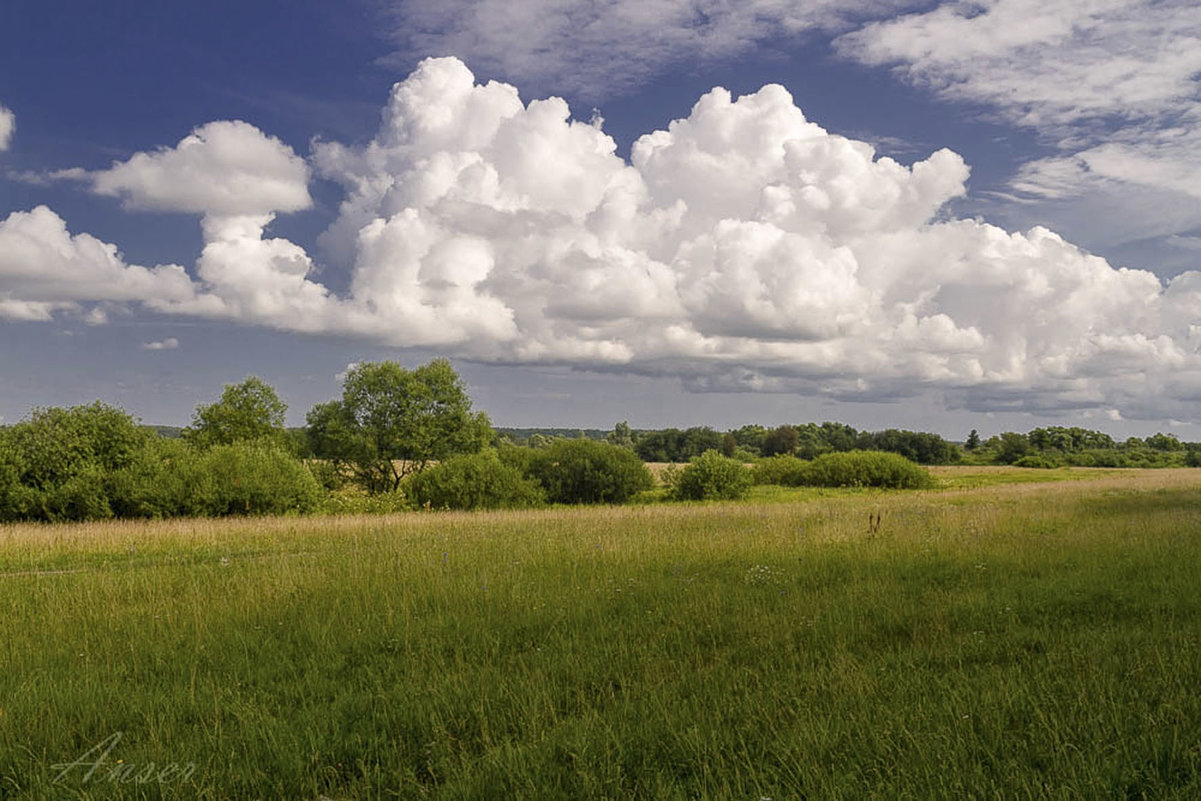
x=922, y=215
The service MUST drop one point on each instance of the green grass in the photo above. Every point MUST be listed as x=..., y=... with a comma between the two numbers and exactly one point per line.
x=972, y=477
x=1008, y=641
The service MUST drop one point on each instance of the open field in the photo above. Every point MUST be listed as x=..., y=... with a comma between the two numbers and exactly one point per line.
x=997, y=638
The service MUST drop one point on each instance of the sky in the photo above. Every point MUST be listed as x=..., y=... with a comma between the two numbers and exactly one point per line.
x=929, y=215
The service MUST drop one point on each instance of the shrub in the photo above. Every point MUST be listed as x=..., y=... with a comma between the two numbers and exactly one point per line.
x=83, y=496
x=865, y=469
x=712, y=476
x=784, y=470
x=55, y=465
x=163, y=482
x=1038, y=460
x=330, y=477
x=474, y=481
x=176, y=479
x=518, y=456
x=584, y=471
x=352, y=499
x=16, y=499
x=251, y=479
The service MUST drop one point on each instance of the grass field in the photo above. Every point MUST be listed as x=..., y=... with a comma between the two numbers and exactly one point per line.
x=996, y=638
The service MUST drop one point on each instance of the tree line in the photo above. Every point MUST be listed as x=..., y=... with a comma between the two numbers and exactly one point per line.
x=402, y=438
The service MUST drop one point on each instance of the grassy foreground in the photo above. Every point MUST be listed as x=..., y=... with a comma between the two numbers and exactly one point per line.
x=998, y=640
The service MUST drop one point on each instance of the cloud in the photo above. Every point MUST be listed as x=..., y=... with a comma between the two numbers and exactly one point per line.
x=592, y=51
x=1046, y=64
x=170, y=343
x=45, y=269
x=1111, y=85
x=8, y=125
x=744, y=248
x=221, y=168
x=237, y=178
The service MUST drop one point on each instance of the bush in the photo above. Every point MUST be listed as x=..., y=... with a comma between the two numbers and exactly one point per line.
x=474, y=481
x=519, y=457
x=176, y=479
x=787, y=471
x=865, y=469
x=55, y=465
x=83, y=496
x=250, y=479
x=352, y=499
x=1038, y=460
x=584, y=471
x=712, y=476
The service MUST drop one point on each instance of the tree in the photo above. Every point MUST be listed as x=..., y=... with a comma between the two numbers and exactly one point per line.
x=916, y=446
x=674, y=445
x=781, y=440
x=391, y=422
x=1009, y=446
x=973, y=440
x=750, y=437
x=1164, y=442
x=247, y=412
x=622, y=436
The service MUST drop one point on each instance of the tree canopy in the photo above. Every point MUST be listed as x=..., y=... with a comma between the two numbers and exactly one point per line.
x=246, y=412
x=391, y=421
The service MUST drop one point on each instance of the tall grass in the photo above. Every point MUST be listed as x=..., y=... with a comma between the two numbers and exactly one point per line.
x=1006, y=641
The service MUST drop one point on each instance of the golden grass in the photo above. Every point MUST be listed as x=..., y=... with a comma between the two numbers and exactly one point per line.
x=841, y=510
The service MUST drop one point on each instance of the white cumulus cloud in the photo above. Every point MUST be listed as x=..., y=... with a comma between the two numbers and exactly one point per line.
x=742, y=248
x=44, y=269
x=221, y=168
x=170, y=343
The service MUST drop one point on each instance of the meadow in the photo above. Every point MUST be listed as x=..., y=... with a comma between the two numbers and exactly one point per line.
x=1012, y=634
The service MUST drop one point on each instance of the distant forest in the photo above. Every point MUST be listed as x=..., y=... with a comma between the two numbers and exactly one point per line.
x=1047, y=447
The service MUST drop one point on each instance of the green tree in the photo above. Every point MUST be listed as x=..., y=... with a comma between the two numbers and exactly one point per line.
x=750, y=437
x=674, y=445
x=784, y=439
x=246, y=412
x=622, y=436
x=1164, y=442
x=973, y=440
x=391, y=422
x=1009, y=447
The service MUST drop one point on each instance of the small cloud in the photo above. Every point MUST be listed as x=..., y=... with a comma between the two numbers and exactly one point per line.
x=350, y=366
x=8, y=124
x=96, y=316
x=1186, y=242
x=48, y=178
x=170, y=343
